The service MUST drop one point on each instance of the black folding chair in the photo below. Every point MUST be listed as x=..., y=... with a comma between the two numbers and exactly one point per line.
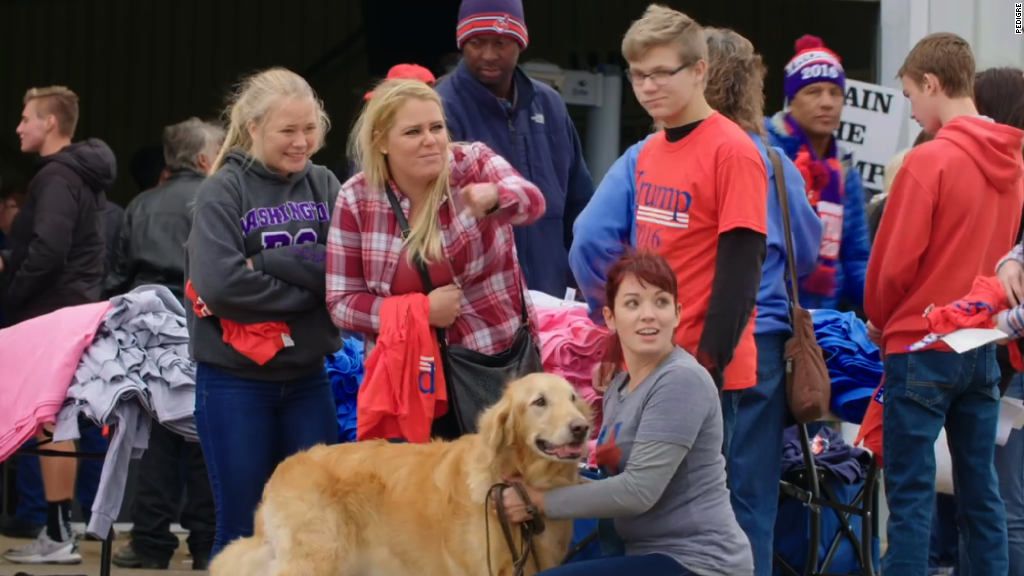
x=811, y=486
x=106, y=551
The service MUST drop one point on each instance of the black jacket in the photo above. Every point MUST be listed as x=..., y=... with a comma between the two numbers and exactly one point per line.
x=113, y=215
x=55, y=252
x=150, y=248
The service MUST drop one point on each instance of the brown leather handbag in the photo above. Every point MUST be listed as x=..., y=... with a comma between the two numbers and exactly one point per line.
x=808, y=385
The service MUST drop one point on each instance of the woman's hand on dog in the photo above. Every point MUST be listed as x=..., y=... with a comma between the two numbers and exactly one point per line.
x=515, y=509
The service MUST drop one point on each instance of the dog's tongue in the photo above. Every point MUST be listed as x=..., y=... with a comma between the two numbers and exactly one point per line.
x=568, y=451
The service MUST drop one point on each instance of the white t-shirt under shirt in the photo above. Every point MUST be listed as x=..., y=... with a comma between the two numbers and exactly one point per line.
x=661, y=445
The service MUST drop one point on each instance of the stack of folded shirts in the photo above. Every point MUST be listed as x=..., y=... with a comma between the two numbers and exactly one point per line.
x=854, y=362
x=572, y=346
x=345, y=369
x=137, y=369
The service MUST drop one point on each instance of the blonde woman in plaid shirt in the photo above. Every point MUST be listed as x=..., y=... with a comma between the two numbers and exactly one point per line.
x=461, y=202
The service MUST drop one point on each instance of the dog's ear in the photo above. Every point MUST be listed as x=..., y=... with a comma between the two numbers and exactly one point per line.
x=496, y=424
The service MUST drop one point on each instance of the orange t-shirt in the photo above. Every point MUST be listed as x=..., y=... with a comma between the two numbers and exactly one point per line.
x=403, y=390
x=687, y=193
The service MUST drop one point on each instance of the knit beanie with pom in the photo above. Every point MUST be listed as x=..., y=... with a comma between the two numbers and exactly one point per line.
x=501, y=17
x=812, y=63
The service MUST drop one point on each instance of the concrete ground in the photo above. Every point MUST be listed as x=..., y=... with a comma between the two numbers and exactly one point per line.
x=181, y=565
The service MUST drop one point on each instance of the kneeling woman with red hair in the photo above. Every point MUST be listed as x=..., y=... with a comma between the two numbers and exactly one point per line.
x=660, y=445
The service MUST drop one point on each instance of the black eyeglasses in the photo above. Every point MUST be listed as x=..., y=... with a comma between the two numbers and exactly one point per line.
x=659, y=77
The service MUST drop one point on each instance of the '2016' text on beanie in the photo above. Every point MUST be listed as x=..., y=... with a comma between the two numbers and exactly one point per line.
x=813, y=63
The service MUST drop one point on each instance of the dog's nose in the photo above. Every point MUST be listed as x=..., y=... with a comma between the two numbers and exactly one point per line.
x=579, y=430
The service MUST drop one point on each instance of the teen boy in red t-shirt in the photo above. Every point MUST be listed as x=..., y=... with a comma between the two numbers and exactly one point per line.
x=701, y=196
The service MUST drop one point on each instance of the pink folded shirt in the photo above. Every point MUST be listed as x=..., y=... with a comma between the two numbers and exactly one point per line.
x=38, y=359
x=571, y=346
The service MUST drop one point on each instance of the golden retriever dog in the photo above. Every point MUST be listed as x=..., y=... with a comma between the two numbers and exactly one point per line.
x=381, y=509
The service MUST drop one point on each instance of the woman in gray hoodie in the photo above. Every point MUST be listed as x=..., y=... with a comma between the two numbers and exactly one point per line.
x=255, y=264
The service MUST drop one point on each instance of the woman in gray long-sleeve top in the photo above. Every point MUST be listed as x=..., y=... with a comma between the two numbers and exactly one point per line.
x=661, y=445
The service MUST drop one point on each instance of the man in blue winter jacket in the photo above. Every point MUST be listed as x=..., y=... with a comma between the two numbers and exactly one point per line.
x=815, y=84
x=490, y=99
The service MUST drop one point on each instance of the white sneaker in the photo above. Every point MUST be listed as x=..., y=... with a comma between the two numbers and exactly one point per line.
x=43, y=550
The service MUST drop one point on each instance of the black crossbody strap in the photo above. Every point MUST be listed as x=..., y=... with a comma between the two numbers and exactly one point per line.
x=428, y=286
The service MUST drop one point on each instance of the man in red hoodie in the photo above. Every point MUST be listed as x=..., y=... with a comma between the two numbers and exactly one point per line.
x=952, y=212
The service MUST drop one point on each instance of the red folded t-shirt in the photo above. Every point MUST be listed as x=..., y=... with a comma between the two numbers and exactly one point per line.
x=258, y=342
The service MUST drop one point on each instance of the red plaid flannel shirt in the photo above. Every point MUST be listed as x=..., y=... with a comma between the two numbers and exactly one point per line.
x=365, y=242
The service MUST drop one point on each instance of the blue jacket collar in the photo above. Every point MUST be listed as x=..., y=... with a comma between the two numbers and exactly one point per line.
x=776, y=126
x=790, y=144
x=466, y=83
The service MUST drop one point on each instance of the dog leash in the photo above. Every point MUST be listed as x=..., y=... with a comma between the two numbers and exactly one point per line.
x=527, y=530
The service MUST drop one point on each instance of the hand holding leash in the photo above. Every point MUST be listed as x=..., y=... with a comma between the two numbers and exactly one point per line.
x=516, y=508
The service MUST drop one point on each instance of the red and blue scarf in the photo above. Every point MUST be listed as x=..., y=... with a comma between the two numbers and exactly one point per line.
x=824, y=179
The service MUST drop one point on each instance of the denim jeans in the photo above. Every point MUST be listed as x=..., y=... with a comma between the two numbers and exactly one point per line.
x=924, y=391
x=755, y=419
x=944, y=551
x=1010, y=470
x=247, y=427
x=31, y=508
x=646, y=564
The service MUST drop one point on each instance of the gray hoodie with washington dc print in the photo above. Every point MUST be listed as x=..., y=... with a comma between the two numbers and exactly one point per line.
x=246, y=211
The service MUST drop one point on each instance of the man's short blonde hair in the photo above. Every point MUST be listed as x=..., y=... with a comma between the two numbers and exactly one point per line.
x=59, y=101
x=661, y=25
x=948, y=57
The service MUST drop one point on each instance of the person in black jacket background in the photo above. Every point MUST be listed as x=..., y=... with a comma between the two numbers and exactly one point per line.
x=148, y=167
x=55, y=249
x=11, y=200
x=150, y=249
x=112, y=217
x=55, y=259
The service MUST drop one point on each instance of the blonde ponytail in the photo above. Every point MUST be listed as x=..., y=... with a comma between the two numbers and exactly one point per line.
x=231, y=140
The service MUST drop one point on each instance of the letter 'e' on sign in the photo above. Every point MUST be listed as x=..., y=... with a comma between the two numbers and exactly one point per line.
x=870, y=128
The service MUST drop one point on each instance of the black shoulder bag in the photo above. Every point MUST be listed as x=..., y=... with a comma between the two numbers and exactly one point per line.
x=475, y=381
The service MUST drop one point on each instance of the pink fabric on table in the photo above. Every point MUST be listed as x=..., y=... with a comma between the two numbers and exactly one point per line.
x=38, y=359
x=571, y=346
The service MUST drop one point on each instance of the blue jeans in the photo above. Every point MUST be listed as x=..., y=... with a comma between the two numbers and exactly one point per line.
x=247, y=427
x=31, y=509
x=1010, y=470
x=943, y=552
x=924, y=391
x=754, y=420
x=646, y=564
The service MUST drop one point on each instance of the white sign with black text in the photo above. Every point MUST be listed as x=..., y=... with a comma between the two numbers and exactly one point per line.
x=870, y=128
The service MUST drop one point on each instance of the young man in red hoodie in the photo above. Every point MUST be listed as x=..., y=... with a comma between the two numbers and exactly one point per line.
x=953, y=211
